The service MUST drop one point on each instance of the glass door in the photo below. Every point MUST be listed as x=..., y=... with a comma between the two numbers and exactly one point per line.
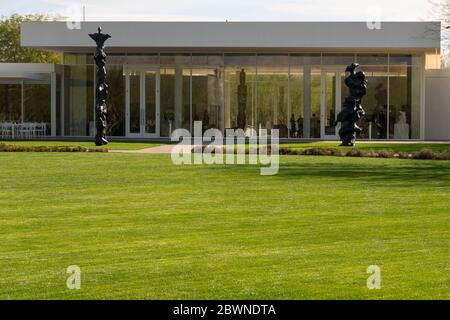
x=142, y=102
x=330, y=104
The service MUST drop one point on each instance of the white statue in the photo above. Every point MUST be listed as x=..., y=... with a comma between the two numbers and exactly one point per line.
x=401, y=128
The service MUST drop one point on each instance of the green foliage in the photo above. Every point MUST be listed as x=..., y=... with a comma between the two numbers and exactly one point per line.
x=20, y=148
x=85, y=144
x=10, y=48
x=426, y=154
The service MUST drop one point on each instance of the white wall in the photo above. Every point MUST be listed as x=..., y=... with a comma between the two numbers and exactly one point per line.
x=437, y=105
x=344, y=35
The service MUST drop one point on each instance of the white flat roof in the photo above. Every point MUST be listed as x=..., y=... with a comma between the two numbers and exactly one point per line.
x=140, y=36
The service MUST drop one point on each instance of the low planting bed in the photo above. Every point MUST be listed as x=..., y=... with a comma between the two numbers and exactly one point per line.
x=30, y=148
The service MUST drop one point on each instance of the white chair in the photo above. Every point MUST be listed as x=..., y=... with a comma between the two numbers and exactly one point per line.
x=7, y=130
x=26, y=130
x=40, y=129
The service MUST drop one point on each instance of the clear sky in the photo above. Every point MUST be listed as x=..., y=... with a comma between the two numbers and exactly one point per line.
x=232, y=10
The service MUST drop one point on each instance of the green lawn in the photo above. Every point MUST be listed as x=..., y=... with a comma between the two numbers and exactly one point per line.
x=140, y=227
x=89, y=144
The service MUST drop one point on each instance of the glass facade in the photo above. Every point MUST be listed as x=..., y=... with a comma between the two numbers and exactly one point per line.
x=152, y=94
x=26, y=105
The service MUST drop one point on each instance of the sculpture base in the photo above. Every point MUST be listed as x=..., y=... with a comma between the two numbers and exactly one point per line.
x=101, y=142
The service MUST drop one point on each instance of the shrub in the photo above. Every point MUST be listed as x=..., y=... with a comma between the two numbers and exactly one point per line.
x=424, y=154
x=386, y=154
x=18, y=148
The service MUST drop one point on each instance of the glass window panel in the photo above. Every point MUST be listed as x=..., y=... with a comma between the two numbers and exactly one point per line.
x=240, y=100
x=330, y=103
x=337, y=59
x=400, y=59
x=372, y=59
x=174, y=100
x=297, y=103
x=10, y=102
x=116, y=101
x=272, y=87
x=135, y=102
x=207, y=60
x=374, y=124
x=305, y=59
x=314, y=120
x=78, y=58
x=79, y=105
x=152, y=59
x=113, y=59
x=400, y=101
x=150, y=102
x=58, y=104
x=207, y=97
x=37, y=104
x=175, y=59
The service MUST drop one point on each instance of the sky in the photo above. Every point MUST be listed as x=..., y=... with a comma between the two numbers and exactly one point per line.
x=221, y=10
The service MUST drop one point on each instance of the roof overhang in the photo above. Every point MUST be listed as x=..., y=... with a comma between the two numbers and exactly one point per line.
x=27, y=72
x=235, y=36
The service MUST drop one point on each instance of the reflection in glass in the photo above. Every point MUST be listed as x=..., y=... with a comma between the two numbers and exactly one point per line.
x=207, y=97
x=333, y=59
x=272, y=87
x=374, y=124
x=399, y=102
x=10, y=102
x=314, y=123
x=79, y=106
x=37, y=104
x=372, y=59
x=330, y=103
x=297, y=103
x=234, y=65
x=135, y=102
x=174, y=100
x=150, y=102
x=116, y=101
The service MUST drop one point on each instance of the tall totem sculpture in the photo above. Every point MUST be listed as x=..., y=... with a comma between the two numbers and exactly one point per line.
x=242, y=100
x=101, y=89
x=352, y=110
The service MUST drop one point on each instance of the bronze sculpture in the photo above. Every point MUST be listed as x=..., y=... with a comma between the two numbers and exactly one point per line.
x=101, y=89
x=352, y=110
x=242, y=100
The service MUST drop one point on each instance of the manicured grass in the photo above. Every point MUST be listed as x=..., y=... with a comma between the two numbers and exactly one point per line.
x=140, y=227
x=374, y=146
x=88, y=144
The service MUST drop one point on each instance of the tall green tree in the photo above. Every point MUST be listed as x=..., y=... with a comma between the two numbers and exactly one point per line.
x=10, y=48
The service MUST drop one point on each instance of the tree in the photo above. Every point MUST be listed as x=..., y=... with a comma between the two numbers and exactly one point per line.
x=10, y=48
x=441, y=11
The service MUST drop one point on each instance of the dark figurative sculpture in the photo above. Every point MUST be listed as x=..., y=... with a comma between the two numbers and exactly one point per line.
x=242, y=100
x=101, y=89
x=352, y=110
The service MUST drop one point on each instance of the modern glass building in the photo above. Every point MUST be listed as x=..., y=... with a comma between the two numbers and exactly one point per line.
x=253, y=75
